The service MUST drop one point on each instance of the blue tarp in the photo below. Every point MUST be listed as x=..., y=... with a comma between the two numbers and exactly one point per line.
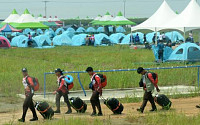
x=59, y=31
x=79, y=40
x=116, y=38
x=100, y=29
x=126, y=40
x=80, y=30
x=18, y=39
x=62, y=40
x=90, y=30
x=185, y=51
x=99, y=38
x=120, y=29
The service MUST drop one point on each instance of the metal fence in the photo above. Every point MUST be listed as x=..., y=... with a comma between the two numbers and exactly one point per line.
x=120, y=70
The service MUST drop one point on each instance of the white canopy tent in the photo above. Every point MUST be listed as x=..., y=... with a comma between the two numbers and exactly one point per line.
x=26, y=17
x=163, y=15
x=189, y=18
x=12, y=18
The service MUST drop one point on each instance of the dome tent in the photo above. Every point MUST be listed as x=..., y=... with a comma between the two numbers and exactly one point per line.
x=120, y=29
x=80, y=30
x=185, y=52
x=79, y=40
x=100, y=29
x=126, y=40
x=16, y=40
x=62, y=40
x=116, y=38
x=149, y=36
x=43, y=41
x=91, y=30
x=174, y=36
x=4, y=42
x=70, y=30
x=166, y=53
x=59, y=31
x=24, y=43
x=39, y=31
x=68, y=33
x=101, y=39
x=27, y=30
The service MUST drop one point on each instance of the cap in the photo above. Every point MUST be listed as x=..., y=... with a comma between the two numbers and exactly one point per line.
x=89, y=69
x=139, y=70
x=24, y=70
x=58, y=70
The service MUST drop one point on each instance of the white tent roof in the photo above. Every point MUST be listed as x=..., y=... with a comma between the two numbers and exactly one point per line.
x=188, y=19
x=106, y=17
x=26, y=18
x=98, y=18
x=13, y=17
x=50, y=19
x=158, y=19
x=55, y=19
x=41, y=19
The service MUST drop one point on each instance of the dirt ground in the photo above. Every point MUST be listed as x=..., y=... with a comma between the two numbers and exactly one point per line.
x=183, y=105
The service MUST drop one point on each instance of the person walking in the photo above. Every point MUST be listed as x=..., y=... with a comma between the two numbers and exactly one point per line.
x=61, y=91
x=29, y=92
x=149, y=83
x=96, y=91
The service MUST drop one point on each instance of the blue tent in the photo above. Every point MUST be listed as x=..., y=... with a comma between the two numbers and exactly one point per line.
x=120, y=29
x=62, y=40
x=166, y=53
x=24, y=43
x=185, y=52
x=110, y=28
x=18, y=39
x=117, y=38
x=50, y=33
x=59, y=31
x=70, y=30
x=90, y=30
x=42, y=40
x=68, y=33
x=101, y=39
x=174, y=36
x=79, y=40
x=26, y=31
x=39, y=31
x=16, y=34
x=80, y=30
x=126, y=40
x=149, y=36
x=100, y=29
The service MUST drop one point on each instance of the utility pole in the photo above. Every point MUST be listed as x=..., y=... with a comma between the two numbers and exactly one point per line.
x=45, y=7
x=124, y=7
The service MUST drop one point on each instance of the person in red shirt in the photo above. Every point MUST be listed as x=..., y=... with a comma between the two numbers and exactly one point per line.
x=61, y=91
x=29, y=92
x=96, y=91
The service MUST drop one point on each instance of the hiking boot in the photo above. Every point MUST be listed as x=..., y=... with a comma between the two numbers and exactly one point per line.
x=34, y=119
x=153, y=110
x=140, y=110
x=21, y=120
x=197, y=106
x=93, y=114
x=57, y=111
x=100, y=114
x=68, y=112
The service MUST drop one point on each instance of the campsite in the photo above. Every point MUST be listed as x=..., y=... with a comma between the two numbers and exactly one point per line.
x=100, y=69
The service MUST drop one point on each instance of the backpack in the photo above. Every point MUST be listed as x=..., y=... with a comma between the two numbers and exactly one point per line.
x=35, y=82
x=68, y=85
x=154, y=76
x=103, y=79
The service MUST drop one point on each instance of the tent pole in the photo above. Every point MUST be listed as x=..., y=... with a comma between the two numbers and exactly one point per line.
x=184, y=34
x=156, y=36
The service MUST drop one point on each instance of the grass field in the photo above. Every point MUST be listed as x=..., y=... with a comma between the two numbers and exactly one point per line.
x=38, y=61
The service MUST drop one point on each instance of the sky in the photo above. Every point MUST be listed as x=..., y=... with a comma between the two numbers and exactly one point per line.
x=66, y=9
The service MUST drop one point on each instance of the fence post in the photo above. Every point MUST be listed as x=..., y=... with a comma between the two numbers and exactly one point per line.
x=44, y=85
x=81, y=84
x=198, y=76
